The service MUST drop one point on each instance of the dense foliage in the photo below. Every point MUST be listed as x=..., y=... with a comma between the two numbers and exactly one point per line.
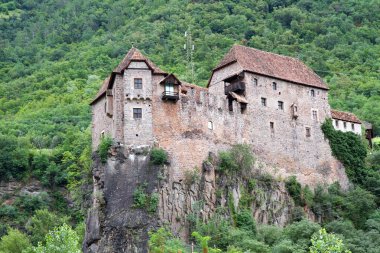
x=55, y=54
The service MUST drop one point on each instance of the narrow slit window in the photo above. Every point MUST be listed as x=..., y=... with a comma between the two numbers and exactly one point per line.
x=280, y=105
x=138, y=83
x=344, y=125
x=210, y=125
x=263, y=101
x=274, y=86
x=353, y=126
x=312, y=93
x=308, y=132
x=336, y=122
x=271, y=125
x=137, y=113
x=315, y=115
x=255, y=81
x=230, y=105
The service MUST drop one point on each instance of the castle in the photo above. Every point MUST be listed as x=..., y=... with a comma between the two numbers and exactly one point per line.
x=274, y=103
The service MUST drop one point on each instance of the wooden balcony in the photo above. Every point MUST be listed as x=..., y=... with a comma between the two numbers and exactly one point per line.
x=170, y=95
x=237, y=87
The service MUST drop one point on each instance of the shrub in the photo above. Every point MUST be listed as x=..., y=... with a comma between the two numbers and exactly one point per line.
x=163, y=241
x=158, y=156
x=104, y=146
x=295, y=190
x=192, y=176
x=145, y=201
x=238, y=159
x=245, y=221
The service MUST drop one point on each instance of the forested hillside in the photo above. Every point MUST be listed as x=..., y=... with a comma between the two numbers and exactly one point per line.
x=54, y=55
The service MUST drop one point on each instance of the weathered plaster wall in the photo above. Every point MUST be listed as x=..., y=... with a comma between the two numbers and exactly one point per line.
x=350, y=127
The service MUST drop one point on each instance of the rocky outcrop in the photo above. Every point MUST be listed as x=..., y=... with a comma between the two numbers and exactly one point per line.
x=115, y=224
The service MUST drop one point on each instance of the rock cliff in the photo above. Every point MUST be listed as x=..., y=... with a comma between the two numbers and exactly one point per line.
x=117, y=223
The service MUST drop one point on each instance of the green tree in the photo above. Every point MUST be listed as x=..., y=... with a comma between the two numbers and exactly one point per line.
x=14, y=241
x=62, y=239
x=322, y=242
x=41, y=223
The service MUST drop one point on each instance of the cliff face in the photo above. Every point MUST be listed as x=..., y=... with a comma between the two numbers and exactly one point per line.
x=117, y=222
x=113, y=223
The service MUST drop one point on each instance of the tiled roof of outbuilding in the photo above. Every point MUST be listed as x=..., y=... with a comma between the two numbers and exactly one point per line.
x=345, y=116
x=133, y=55
x=273, y=65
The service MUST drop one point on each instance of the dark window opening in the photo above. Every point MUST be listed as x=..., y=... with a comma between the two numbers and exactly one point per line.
x=137, y=113
x=263, y=101
x=271, y=124
x=336, y=123
x=308, y=132
x=315, y=115
x=312, y=93
x=243, y=107
x=274, y=86
x=353, y=126
x=255, y=81
x=280, y=105
x=138, y=83
x=344, y=124
x=230, y=105
x=105, y=107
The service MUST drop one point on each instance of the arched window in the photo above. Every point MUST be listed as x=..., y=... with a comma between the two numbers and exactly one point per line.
x=312, y=93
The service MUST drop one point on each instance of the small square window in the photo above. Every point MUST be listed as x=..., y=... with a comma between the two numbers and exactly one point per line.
x=353, y=126
x=263, y=101
x=137, y=113
x=274, y=86
x=308, y=132
x=280, y=105
x=138, y=83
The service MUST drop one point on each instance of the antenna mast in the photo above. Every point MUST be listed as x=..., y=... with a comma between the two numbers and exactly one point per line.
x=189, y=47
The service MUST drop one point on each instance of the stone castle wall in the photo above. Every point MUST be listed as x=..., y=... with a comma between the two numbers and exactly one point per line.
x=201, y=122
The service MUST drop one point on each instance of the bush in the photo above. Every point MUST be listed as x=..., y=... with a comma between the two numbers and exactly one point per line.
x=192, y=176
x=295, y=190
x=323, y=242
x=245, y=221
x=238, y=159
x=143, y=200
x=158, y=156
x=104, y=146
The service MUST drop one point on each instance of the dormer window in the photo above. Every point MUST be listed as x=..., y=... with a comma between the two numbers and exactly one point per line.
x=171, y=88
x=138, y=83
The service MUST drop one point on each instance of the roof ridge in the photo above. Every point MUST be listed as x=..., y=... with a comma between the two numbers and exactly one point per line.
x=266, y=52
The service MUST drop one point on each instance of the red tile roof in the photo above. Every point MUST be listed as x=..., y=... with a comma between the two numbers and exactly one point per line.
x=345, y=116
x=133, y=55
x=273, y=65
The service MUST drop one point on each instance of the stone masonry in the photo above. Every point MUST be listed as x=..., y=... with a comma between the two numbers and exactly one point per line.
x=189, y=121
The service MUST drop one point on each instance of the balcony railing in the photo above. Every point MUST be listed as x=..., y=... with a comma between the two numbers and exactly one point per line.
x=238, y=87
x=170, y=95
